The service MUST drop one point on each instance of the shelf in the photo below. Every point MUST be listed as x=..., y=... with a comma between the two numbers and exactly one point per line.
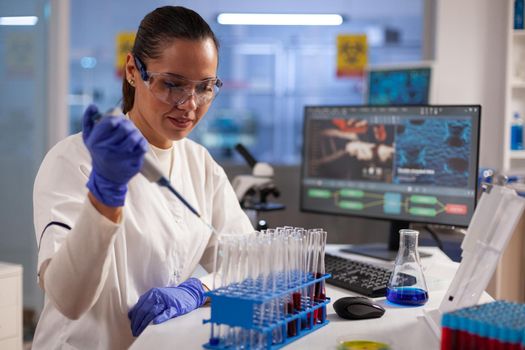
x=515, y=170
x=513, y=160
x=518, y=84
x=517, y=154
x=519, y=33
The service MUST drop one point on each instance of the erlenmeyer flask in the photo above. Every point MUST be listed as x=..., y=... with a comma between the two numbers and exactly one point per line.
x=407, y=284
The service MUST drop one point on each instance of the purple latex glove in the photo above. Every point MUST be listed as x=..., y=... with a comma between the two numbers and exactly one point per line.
x=161, y=304
x=117, y=151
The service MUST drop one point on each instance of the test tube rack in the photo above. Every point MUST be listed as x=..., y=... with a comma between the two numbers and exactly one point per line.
x=237, y=305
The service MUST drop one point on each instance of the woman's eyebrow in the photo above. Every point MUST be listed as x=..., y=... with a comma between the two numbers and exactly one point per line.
x=178, y=76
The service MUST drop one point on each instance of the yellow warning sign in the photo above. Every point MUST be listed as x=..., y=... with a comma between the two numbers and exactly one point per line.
x=352, y=55
x=124, y=44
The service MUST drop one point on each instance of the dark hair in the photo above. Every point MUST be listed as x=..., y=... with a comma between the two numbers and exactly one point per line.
x=156, y=30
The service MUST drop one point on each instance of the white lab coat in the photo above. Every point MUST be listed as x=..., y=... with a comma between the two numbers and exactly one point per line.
x=105, y=267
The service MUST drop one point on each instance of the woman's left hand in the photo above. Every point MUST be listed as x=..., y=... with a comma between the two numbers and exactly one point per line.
x=161, y=304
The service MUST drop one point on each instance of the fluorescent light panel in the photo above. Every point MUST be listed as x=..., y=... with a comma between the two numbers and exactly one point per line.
x=280, y=19
x=18, y=21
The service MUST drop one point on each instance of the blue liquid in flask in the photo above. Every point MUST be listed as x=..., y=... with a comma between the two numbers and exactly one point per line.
x=407, y=296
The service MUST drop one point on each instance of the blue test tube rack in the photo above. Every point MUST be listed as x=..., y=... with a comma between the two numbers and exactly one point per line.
x=236, y=305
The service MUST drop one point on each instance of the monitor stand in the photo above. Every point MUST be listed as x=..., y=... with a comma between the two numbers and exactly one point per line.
x=381, y=250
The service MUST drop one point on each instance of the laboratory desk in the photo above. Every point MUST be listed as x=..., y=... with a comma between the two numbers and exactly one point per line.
x=403, y=327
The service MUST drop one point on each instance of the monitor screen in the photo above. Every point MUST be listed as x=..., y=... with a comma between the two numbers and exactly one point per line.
x=398, y=86
x=403, y=163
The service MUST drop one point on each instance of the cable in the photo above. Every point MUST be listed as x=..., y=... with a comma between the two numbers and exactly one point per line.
x=436, y=237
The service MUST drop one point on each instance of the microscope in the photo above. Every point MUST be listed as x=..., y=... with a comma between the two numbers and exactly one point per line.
x=253, y=190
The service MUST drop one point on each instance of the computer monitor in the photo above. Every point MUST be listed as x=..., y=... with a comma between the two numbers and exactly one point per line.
x=398, y=85
x=404, y=164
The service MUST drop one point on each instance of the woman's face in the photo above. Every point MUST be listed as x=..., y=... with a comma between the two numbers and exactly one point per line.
x=161, y=122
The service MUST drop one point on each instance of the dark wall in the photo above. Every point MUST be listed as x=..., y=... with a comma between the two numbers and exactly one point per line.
x=340, y=229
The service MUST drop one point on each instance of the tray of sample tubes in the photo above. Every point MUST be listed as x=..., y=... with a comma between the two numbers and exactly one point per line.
x=269, y=288
x=499, y=325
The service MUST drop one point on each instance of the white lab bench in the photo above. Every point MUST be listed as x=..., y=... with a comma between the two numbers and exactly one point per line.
x=402, y=326
x=10, y=306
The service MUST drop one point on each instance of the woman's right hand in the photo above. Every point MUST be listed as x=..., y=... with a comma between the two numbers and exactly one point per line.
x=117, y=151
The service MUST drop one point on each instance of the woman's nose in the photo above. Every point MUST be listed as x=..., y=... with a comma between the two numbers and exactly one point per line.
x=189, y=102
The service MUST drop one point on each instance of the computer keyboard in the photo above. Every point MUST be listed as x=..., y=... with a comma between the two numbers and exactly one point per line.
x=359, y=277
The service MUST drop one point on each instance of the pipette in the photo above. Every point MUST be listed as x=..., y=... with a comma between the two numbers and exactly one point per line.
x=152, y=172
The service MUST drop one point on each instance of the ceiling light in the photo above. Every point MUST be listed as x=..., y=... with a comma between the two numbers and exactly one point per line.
x=18, y=21
x=280, y=19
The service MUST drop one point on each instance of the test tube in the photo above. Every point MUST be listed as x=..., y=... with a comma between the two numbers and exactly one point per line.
x=233, y=285
x=313, y=267
x=289, y=283
x=297, y=295
x=304, y=272
x=217, y=261
x=254, y=265
x=321, y=292
x=239, y=333
x=267, y=281
x=297, y=242
x=278, y=281
x=221, y=279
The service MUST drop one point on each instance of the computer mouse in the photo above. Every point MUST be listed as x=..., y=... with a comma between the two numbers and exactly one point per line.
x=357, y=308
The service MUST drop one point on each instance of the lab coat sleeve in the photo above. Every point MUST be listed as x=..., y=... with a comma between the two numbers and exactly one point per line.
x=78, y=257
x=59, y=194
x=77, y=272
x=227, y=217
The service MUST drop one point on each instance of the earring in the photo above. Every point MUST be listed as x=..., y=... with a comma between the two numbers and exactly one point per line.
x=131, y=82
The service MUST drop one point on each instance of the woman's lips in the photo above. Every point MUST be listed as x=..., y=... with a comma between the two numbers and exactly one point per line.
x=182, y=123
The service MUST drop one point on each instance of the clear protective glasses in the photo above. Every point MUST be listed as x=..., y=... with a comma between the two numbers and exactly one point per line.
x=173, y=89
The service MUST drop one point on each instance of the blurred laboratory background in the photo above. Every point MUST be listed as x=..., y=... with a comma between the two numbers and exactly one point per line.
x=52, y=69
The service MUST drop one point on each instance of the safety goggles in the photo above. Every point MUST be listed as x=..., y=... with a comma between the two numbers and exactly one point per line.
x=175, y=90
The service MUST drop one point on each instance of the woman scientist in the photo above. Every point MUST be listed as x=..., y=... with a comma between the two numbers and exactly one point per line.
x=120, y=254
